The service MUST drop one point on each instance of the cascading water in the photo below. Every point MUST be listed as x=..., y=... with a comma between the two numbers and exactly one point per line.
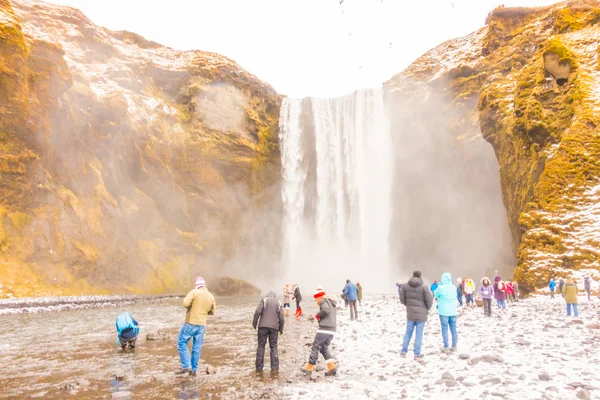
x=337, y=175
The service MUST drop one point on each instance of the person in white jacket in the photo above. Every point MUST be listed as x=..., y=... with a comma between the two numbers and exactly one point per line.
x=469, y=289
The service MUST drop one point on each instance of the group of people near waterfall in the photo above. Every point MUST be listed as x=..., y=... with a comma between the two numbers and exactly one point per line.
x=270, y=314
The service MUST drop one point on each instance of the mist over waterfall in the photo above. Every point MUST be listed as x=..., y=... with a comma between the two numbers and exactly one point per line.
x=337, y=177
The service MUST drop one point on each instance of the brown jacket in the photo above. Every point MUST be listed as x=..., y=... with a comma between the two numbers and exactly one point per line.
x=570, y=292
x=200, y=304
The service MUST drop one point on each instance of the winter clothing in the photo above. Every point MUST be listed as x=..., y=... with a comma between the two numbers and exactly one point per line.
x=433, y=286
x=327, y=315
x=200, y=304
x=552, y=286
x=561, y=285
x=499, y=295
x=449, y=322
x=359, y=292
x=351, y=291
x=298, y=297
x=200, y=282
x=412, y=326
x=587, y=285
x=399, y=286
x=127, y=330
x=510, y=291
x=446, y=297
x=486, y=291
x=487, y=307
x=287, y=296
x=321, y=345
x=353, y=310
x=272, y=335
x=417, y=299
x=324, y=336
x=569, y=292
x=270, y=313
x=469, y=286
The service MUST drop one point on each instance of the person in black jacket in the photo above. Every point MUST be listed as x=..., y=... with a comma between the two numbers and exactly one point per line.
x=269, y=319
x=418, y=301
x=298, y=298
x=327, y=324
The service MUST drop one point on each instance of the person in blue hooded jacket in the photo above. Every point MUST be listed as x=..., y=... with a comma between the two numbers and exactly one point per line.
x=351, y=291
x=446, y=305
x=552, y=287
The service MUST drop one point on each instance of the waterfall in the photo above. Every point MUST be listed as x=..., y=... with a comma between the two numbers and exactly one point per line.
x=337, y=173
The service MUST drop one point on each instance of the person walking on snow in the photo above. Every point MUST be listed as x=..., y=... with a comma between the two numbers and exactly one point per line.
x=446, y=305
x=486, y=290
x=587, y=285
x=500, y=292
x=298, y=297
x=552, y=287
x=510, y=291
x=359, y=293
x=459, y=291
x=516, y=289
x=327, y=323
x=434, y=286
x=418, y=301
x=569, y=292
x=561, y=285
x=469, y=287
x=287, y=298
x=269, y=320
x=200, y=303
x=351, y=292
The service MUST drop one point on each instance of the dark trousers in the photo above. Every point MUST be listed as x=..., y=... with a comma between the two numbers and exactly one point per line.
x=353, y=309
x=320, y=345
x=487, y=307
x=263, y=335
x=297, y=305
x=130, y=342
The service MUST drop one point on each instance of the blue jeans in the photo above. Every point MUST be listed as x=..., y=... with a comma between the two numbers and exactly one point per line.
x=459, y=297
x=189, y=331
x=501, y=304
x=449, y=321
x=575, y=310
x=410, y=327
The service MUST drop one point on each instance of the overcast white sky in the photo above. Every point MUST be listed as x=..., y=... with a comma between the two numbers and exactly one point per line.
x=302, y=47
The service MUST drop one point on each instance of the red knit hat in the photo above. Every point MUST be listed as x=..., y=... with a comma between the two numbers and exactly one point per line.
x=319, y=292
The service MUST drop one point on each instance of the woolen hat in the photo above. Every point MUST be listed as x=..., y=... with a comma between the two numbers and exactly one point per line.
x=319, y=293
x=417, y=274
x=200, y=282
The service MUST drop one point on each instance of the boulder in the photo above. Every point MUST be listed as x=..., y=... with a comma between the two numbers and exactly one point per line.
x=234, y=287
x=158, y=335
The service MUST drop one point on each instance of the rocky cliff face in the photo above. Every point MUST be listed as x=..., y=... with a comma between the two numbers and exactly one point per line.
x=126, y=166
x=529, y=82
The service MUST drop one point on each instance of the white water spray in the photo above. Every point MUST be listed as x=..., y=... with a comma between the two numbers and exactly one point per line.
x=337, y=175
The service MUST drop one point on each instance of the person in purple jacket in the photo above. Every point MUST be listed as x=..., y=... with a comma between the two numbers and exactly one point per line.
x=486, y=290
x=500, y=292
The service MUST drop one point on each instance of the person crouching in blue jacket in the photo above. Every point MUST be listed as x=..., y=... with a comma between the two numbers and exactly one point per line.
x=446, y=305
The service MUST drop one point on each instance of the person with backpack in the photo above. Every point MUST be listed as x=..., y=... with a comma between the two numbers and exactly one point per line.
x=469, y=288
x=446, y=305
x=552, y=287
x=324, y=336
x=569, y=292
x=127, y=330
x=500, y=292
x=359, y=295
x=298, y=297
x=486, y=291
x=269, y=320
x=459, y=291
x=418, y=301
x=510, y=292
x=199, y=303
x=351, y=292
x=561, y=285
x=587, y=285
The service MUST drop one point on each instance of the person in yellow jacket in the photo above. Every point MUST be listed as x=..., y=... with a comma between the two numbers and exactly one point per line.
x=569, y=292
x=200, y=303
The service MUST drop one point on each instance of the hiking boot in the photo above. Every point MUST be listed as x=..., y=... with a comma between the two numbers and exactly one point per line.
x=331, y=368
x=308, y=369
x=402, y=354
x=453, y=349
x=183, y=371
x=445, y=350
x=192, y=373
x=419, y=357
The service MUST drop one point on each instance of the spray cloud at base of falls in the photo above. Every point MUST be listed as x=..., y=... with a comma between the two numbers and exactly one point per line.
x=336, y=188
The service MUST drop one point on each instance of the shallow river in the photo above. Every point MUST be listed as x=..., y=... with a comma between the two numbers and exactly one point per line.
x=72, y=354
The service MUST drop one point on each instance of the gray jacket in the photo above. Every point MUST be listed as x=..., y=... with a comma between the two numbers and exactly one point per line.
x=327, y=314
x=587, y=284
x=417, y=298
x=270, y=313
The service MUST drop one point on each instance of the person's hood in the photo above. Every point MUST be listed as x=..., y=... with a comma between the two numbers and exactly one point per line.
x=415, y=282
x=446, y=278
x=271, y=294
x=485, y=278
x=551, y=280
x=332, y=300
x=497, y=279
x=570, y=282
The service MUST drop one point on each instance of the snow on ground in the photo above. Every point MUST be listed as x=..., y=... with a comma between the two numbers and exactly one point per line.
x=531, y=351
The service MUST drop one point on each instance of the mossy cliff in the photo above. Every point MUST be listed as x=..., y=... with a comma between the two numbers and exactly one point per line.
x=530, y=83
x=125, y=166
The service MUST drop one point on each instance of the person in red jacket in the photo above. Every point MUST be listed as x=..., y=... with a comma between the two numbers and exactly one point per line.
x=510, y=291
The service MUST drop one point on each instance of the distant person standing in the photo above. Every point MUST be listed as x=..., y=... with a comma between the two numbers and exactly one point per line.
x=516, y=289
x=418, y=301
x=446, y=305
x=269, y=320
x=298, y=297
x=327, y=324
x=351, y=292
x=469, y=287
x=359, y=293
x=399, y=286
x=287, y=298
x=552, y=287
x=200, y=303
x=486, y=290
x=459, y=291
x=569, y=292
x=500, y=292
x=561, y=285
x=434, y=286
x=510, y=291
x=587, y=285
